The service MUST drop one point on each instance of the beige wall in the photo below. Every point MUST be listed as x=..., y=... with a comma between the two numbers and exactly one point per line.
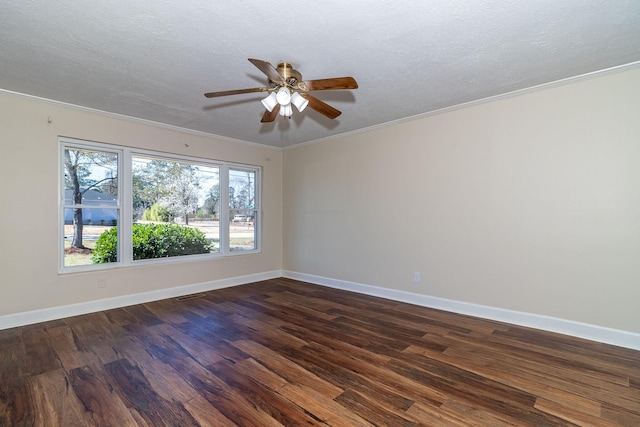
x=528, y=203
x=29, y=171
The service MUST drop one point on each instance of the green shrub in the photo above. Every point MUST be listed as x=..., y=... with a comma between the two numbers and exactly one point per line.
x=106, y=249
x=152, y=241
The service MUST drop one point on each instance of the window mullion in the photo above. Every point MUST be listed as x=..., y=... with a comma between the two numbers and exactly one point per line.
x=126, y=204
x=61, y=206
x=224, y=209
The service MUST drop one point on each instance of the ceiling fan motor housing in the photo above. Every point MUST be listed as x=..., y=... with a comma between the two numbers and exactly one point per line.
x=291, y=76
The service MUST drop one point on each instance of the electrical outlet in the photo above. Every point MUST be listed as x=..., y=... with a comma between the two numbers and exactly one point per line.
x=102, y=283
x=416, y=277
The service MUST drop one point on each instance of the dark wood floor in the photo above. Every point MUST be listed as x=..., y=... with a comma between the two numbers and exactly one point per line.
x=282, y=352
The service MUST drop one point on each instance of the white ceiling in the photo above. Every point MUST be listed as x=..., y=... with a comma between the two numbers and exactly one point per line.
x=154, y=59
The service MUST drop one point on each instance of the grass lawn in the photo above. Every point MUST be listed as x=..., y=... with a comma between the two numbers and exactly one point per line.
x=78, y=258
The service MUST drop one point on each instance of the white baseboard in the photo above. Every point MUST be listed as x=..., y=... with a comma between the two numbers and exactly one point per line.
x=546, y=323
x=53, y=313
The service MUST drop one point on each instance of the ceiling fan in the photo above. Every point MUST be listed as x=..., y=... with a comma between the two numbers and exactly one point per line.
x=286, y=87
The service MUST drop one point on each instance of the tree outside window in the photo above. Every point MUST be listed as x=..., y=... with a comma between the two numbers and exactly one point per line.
x=90, y=199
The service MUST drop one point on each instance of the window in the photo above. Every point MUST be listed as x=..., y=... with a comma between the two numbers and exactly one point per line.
x=242, y=209
x=91, y=203
x=178, y=192
x=167, y=207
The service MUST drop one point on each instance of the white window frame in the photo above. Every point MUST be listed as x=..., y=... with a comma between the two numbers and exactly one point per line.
x=256, y=206
x=125, y=205
x=66, y=143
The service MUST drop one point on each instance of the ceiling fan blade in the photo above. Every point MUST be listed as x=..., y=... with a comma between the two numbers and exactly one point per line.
x=268, y=69
x=235, y=92
x=329, y=84
x=270, y=116
x=321, y=106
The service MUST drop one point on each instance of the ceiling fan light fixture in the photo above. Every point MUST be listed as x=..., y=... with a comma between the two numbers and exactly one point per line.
x=283, y=96
x=300, y=102
x=270, y=101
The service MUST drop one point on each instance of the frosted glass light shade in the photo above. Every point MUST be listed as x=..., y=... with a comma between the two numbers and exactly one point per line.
x=286, y=110
x=300, y=102
x=270, y=101
x=283, y=96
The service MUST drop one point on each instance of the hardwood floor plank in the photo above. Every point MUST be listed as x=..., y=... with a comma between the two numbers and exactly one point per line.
x=12, y=362
x=591, y=381
x=229, y=402
x=322, y=407
x=242, y=330
x=206, y=414
x=283, y=352
x=142, y=315
x=168, y=310
x=53, y=402
x=166, y=381
x=289, y=314
x=15, y=403
x=291, y=371
x=220, y=345
x=93, y=334
x=435, y=416
x=14, y=397
x=362, y=376
x=381, y=338
x=446, y=321
x=622, y=416
x=475, y=415
x=371, y=411
x=103, y=406
x=339, y=331
x=570, y=413
x=572, y=351
x=10, y=337
x=198, y=349
x=64, y=344
x=39, y=355
x=343, y=378
x=138, y=395
x=474, y=389
x=224, y=398
x=120, y=316
x=558, y=383
x=514, y=376
x=335, y=344
x=289, y=302
x=267, y=335
x=274, y=404
x=485, y=350
x=390, y=321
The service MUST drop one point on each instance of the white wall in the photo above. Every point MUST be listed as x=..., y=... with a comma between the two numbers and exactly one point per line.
x=528, y=203
x=29, y=174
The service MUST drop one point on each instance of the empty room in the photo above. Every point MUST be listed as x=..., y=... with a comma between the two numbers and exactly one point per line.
x=332, y=214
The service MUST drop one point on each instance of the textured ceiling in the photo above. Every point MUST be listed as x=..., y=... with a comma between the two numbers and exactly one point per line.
x=154, y=59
